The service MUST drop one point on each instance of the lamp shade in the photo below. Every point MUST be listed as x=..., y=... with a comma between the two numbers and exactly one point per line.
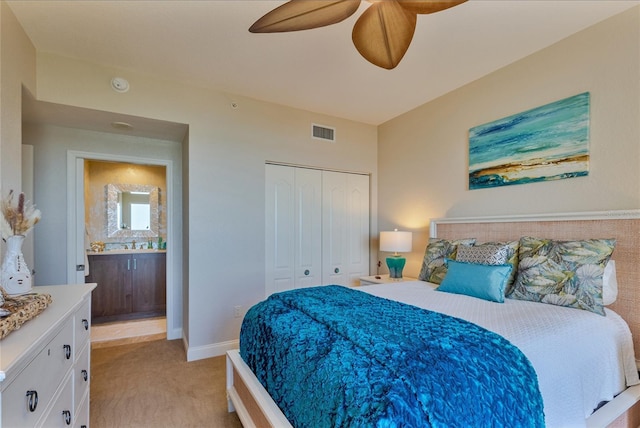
x=397, y=242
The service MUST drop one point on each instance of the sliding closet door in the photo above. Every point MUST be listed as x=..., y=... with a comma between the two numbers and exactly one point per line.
x=317, y=228
x=345, y=227
x=293, y=228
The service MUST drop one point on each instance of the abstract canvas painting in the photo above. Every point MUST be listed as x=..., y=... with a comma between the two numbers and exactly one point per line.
x=546, y=143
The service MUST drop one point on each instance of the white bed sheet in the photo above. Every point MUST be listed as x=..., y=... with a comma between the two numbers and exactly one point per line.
x=581, y=358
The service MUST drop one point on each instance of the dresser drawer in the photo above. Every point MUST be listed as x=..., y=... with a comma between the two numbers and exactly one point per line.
x=61, y=413
x=41, y=378
x=81, y=376
x=82, y=414
x=82, y=325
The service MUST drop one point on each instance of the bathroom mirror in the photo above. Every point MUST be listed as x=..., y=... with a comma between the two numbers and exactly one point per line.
x=132, y=211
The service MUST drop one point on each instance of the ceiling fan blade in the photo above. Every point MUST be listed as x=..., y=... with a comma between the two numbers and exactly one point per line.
x=428, y=6
x=383, y=33
x=304, y=14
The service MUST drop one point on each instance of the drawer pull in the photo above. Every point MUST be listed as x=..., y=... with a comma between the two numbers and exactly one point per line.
x=67, y=351
x=85, y=323
x=336, y=270
x=67, y=416
x=306, y=272
x=32, y=402
x=85, y=375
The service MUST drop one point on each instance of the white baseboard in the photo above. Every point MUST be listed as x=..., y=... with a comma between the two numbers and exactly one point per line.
x=208, y=351
x=175, y=333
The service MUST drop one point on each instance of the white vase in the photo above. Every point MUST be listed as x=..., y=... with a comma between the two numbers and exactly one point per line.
x=15, y=277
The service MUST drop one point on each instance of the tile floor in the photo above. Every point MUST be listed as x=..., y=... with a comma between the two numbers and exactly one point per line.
x=120, y=333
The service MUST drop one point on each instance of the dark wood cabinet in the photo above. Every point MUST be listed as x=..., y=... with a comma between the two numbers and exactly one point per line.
x=149, y=283
x=130, y=286
x=112, y=297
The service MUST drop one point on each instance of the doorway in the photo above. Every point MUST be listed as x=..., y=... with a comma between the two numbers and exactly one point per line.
x=77, y=231
x=126, y=252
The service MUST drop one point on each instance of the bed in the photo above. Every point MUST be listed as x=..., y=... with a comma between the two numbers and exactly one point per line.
x=571, y=387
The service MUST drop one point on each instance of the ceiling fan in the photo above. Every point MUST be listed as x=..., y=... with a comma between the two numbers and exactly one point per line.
x=382, y=34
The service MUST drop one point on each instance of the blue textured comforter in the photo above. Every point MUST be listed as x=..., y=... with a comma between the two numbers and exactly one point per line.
x=332, y=356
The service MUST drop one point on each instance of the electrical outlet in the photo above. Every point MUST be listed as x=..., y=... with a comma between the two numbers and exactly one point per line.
x=237, y=311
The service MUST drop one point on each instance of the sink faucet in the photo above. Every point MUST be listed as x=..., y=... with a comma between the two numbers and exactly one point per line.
x=133, y=245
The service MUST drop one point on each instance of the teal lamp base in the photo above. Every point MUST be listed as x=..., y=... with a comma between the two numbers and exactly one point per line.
x=395, y=265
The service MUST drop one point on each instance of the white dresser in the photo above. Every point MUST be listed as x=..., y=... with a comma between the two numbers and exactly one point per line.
x=45, y=365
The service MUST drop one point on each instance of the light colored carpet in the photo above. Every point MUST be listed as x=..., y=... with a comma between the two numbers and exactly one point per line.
x=150, y=384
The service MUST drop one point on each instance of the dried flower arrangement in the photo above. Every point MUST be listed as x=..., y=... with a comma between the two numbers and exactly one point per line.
x=17, y=219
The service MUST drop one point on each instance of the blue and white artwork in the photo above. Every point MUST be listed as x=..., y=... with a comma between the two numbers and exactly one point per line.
x=546, y=143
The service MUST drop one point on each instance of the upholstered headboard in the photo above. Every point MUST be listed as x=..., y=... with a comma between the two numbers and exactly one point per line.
x=624, y=226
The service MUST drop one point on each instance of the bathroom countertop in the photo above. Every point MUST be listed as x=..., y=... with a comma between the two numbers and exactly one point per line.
x=123, y=251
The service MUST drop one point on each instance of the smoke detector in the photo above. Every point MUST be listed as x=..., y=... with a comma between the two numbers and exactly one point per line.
x=119, y=84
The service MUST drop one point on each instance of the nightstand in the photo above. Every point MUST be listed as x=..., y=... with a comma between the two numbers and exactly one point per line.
x=382, y=279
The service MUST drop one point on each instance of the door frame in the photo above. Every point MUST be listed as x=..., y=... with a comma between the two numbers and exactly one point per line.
x=76, y=254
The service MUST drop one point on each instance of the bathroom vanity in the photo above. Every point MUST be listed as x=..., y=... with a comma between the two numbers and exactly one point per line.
x=131, y=284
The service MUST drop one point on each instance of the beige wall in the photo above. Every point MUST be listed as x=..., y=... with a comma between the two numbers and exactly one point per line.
x=17, y=56
x=52, y=144
x=423, y=154
x=99, y=175
x=17, y=74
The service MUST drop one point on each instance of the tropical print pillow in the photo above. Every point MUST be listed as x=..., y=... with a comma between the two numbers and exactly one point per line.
x=433, y=267
x=563, y=273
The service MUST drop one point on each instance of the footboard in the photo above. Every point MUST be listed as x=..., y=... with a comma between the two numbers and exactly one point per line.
x=248, y=398
x=621, y=412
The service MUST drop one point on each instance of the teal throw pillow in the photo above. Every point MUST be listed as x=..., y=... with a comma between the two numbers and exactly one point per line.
x=486, y=282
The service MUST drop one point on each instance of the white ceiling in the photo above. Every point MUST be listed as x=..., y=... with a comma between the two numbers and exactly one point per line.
x=207, y=43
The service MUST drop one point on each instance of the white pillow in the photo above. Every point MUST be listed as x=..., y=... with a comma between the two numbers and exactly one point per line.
x=609, y=284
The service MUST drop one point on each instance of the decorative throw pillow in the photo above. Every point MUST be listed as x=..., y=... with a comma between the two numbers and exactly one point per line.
x=433, y=268
x=483, y=281
x=512, y=259
x=609, y=284
x=563, y=273
x=484, y=254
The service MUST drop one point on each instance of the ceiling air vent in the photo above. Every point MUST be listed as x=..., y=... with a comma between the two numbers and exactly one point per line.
x=321, y=132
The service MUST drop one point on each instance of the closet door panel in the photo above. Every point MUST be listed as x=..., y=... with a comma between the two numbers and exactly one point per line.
x=345, y=227
x=308, y=227
x=358, y=230
x=335, y=224
x=279, y=231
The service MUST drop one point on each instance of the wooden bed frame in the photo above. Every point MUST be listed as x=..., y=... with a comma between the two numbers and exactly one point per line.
x=255, y=407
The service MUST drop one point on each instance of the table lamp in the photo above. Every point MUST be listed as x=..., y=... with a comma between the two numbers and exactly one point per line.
x=396, y=242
